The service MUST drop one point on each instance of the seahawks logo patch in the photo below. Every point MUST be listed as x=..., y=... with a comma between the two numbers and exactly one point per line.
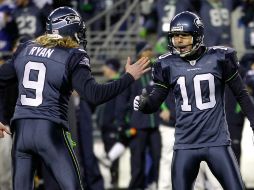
x=85, y=61
x=66, y=20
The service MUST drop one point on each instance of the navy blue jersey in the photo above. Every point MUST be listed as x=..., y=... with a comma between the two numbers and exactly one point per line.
x=43, y=81
x=216, y=18
x=199, y=94
x=30, y=20
x=46, y=77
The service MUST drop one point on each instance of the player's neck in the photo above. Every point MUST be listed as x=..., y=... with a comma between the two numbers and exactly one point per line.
x=199, y=52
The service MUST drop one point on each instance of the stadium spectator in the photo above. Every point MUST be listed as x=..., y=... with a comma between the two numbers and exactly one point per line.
x=148, y=135
x=92, y=175
x=165, y=10
x=106, y=117
x=30, y=20
x=8, y=97
x=216, y=15
x=167, y=131
x=7, y=38
x=247, y=20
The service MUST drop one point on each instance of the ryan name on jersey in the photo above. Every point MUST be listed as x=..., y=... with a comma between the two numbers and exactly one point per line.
x=42, y=52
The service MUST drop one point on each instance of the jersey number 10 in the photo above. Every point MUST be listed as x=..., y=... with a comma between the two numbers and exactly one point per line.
x=35, y=85
x=198, y=94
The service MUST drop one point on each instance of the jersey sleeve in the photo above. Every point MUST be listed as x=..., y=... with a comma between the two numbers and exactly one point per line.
x=7, y=74
x=7, y=70
x=79, y=58
x=230, y=65
x=158, y=75
x=243, y=98
x=84, y=83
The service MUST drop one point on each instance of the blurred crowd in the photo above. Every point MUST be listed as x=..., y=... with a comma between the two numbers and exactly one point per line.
x=150, y=137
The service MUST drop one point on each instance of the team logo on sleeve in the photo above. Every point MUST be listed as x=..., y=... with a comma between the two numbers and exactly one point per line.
x=85, y=61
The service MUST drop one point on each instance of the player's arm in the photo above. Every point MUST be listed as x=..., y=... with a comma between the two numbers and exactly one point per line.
x=95, y=93
x=241, y=93
x=152, y=102
x=7, y=70
x=236, y=84
x=7, y=74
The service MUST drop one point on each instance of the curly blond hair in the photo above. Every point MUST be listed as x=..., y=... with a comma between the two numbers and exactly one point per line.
x=53, y=40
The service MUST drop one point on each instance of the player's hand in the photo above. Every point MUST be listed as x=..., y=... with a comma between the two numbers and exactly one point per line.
x=140, y=101
x=138, y=68
x=4, y=129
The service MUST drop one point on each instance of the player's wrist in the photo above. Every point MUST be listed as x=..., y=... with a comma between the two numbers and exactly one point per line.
x=129, y=76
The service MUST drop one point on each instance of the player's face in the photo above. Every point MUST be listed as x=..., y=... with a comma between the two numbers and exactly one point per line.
x=182, y=42
x=107, y=72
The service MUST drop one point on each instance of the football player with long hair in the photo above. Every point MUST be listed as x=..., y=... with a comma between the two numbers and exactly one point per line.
x=47, y=70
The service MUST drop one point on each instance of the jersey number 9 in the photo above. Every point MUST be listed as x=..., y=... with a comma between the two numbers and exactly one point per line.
x=35, y=85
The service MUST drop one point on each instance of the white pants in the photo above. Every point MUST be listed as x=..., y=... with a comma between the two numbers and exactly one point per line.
x=167, y=143
x=5, y=163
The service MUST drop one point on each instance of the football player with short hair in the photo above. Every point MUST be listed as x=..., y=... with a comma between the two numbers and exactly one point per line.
x=197, y=75
x=47, y=70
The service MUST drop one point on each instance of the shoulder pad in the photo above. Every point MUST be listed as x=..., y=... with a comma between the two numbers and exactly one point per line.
x=222, y=49
x=23, y=45
x=85, y=61
x=165, y=55
x=79, y=50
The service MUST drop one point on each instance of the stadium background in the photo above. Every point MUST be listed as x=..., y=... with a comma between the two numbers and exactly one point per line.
x=114, y=28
